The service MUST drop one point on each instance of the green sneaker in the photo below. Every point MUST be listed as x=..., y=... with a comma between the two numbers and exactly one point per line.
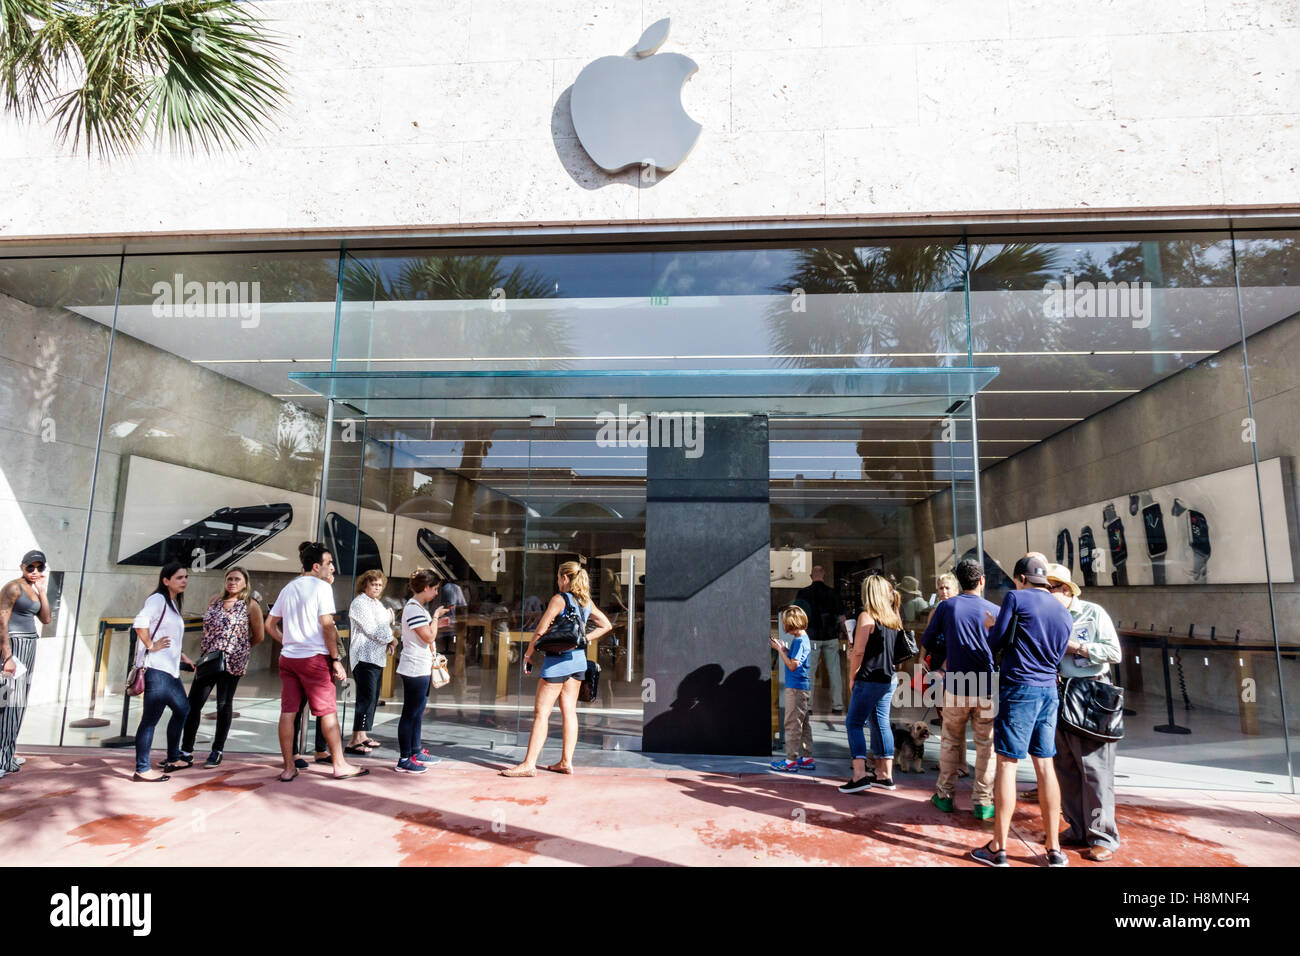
x=982, y=811
x=943, y=803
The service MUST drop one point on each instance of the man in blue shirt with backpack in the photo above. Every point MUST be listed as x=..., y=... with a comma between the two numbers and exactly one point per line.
x=1032, y=630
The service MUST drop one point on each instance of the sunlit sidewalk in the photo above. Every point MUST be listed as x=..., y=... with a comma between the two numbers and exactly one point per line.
x=82, y=809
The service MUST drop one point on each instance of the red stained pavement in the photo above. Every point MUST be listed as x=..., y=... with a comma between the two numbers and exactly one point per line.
x=82, y=809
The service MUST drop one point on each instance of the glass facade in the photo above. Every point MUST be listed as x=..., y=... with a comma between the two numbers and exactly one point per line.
x=493, y=413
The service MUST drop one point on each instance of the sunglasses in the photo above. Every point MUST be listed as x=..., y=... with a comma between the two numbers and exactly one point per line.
x=35, y=567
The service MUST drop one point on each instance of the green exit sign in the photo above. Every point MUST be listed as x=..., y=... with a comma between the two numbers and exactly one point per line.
x=658, y=300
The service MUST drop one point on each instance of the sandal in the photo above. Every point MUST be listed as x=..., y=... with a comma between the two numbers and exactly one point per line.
x=516, y=772
x=283, y=779
x=357, y=750
x=361, y=772
x=167, y=768
x=372, y=744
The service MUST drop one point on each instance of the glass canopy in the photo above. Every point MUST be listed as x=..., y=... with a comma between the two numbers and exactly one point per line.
x=793, y=393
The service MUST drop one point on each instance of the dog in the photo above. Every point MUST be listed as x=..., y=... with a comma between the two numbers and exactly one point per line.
x=909, y=746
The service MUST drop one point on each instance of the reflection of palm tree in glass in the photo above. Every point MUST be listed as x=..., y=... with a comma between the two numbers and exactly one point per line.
x=495, y=331
x=890, y=306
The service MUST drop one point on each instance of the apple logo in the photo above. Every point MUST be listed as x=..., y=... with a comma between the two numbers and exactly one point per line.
x=628, y=111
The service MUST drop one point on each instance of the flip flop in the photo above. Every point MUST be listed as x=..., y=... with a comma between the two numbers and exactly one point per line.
x=356, y=773
x=556, y=768
x=282, y=779
x=357, y=750
x=323, y=759
x=372, y=744
x=512, y=772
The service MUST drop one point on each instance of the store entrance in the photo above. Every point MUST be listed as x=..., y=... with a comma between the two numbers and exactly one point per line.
x=695, y=528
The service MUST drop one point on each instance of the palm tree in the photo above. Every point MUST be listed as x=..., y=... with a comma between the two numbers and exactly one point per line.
x=112, y=74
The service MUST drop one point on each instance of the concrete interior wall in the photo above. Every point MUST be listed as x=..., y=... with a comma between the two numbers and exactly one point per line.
x=52, y=362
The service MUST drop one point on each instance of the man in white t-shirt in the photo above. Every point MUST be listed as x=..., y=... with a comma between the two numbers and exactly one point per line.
x=302, y=621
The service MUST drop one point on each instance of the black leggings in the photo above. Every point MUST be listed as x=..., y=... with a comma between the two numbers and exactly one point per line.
x=367, y=677
x=297, y=729
x=199, y=691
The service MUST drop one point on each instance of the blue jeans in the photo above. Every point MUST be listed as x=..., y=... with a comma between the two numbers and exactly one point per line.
x=161, y=691
x=415, y=694
x=869, y=706
x=1026, y=721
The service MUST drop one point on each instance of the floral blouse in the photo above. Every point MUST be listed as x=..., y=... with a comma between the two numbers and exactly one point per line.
x=372, y=631
x=226, y=629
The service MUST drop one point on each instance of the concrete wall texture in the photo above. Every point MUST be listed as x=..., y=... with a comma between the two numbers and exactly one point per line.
x=449, y=112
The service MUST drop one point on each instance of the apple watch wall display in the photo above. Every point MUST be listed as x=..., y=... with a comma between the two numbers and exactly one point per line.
x=1086, y=547
x=1153, y=525
x=1065, y=549
x=1118, y=547
x=1196, y=534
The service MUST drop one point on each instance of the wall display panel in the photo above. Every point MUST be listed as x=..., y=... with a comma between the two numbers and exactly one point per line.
x=212, y=522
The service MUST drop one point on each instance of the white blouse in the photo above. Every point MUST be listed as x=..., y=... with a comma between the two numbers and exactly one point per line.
x=372, y=631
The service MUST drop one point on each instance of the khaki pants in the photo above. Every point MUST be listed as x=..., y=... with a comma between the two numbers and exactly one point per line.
x=952, y=750
x=798, y=732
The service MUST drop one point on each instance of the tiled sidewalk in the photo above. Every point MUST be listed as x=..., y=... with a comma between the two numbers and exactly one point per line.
x=82, y=809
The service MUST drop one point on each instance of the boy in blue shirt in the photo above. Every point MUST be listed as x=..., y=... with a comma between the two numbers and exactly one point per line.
x=798, y=692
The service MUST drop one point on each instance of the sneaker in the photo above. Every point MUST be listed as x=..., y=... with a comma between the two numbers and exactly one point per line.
x=982, y=811
x=214, y=760
x=989, y=857
x=410, y=766
x=942, y=803
x=856, y=786
x=426, y=759
x=784, y=766
x=1056, y=858
x=886, y=784
x=807, y=763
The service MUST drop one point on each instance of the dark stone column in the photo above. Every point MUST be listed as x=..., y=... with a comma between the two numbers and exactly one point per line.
x=707, y=594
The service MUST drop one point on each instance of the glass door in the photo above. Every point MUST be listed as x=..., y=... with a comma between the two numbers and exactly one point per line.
x=585, y=499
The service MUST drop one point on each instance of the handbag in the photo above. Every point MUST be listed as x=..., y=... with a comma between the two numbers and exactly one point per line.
x=210, y=666
x=905, y=647
x=135, y=676
x=590, y=683
x=1093, y=708
x=439, y=676
x=566, y=633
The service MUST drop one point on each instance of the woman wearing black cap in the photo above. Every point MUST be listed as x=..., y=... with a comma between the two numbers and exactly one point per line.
x=22, y=604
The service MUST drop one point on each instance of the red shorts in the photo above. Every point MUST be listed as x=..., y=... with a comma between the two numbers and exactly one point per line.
x=308, y=677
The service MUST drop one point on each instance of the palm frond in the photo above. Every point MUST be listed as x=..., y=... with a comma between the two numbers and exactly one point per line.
x=197, y=74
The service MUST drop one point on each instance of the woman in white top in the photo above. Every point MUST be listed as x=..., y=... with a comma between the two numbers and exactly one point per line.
x=369, y=648
x=160, y=628
x=419, y=631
